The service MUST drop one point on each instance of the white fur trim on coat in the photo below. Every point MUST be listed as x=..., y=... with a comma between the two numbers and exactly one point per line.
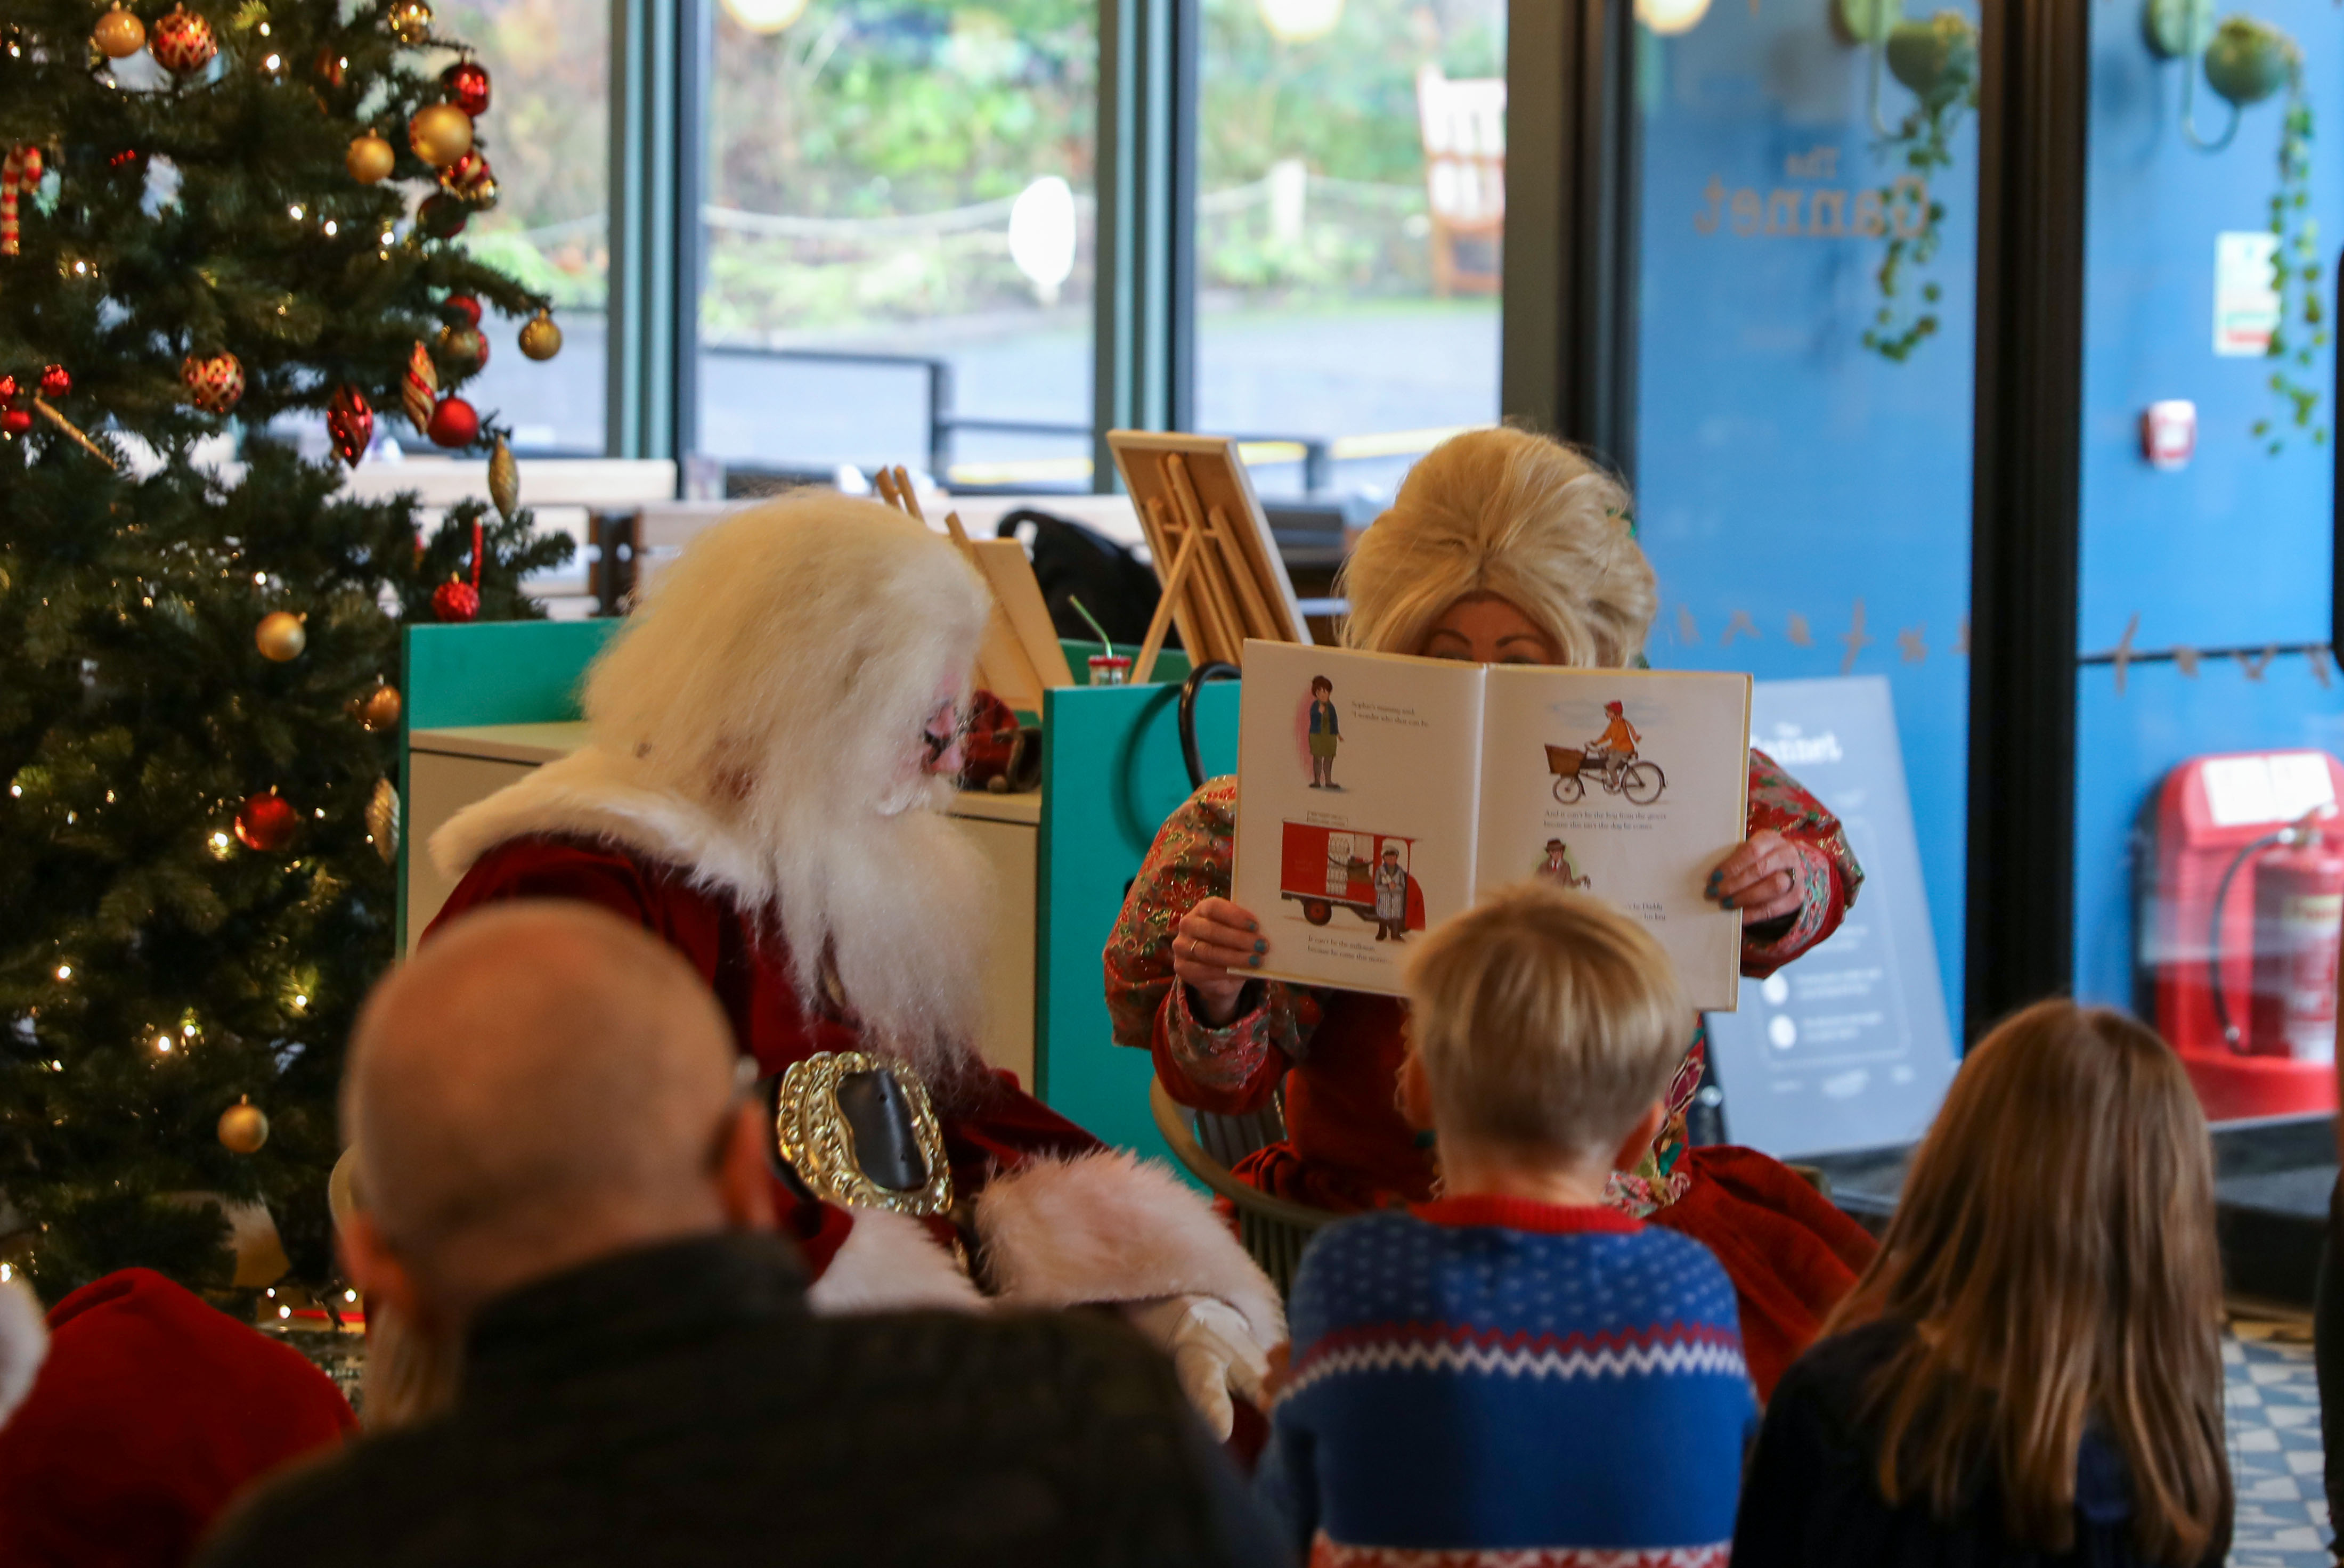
x=1113, y=1227
x=24, y=1344
x=593, y=794
x=889, y=1263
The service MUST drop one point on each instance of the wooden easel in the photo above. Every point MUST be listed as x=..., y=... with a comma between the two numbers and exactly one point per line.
x=1224, y=580
x=1021, y=656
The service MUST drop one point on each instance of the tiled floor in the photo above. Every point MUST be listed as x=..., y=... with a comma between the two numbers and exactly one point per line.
x=2275, y=1453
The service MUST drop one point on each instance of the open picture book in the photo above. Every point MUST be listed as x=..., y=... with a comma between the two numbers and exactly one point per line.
x=1379, y=794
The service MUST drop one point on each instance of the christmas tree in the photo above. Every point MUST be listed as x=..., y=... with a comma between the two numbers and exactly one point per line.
x=214, y=217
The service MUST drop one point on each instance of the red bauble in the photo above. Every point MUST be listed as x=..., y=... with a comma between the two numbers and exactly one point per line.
x=267, y=823
x=455, y=600
x=350, y=420
x=467, y=82
x=182, y=44
x=443, y=215
x=15, y=421
x=8, y=390
x=454, y=423
x=465, y=305
x=56, y=382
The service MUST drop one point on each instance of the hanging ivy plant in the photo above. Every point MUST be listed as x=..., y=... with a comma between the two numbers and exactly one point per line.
x=2243, y=52
x=1938, y=60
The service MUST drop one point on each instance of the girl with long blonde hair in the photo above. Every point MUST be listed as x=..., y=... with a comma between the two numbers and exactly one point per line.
x=2031, y=1369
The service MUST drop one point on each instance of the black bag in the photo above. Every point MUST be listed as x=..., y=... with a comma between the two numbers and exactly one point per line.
x=1072, y=562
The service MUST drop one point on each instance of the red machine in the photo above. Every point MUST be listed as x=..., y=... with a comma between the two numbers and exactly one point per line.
x=1324, y=870
x=2244, y=911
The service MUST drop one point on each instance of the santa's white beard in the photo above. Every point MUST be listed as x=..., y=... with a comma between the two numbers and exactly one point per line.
x=901, y=903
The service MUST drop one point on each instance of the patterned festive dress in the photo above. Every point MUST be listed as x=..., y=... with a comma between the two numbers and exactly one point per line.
x=1337, y=1055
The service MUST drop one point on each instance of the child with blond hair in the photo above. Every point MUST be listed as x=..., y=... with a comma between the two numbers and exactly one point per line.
x=1515, y=1367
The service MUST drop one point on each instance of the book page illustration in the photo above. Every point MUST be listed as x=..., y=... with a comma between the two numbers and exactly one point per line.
x=1628, y=785
x=1356, y=808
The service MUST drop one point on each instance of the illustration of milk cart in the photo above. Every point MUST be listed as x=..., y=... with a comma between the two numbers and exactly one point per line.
x=1640, y=781
x=1327, y=868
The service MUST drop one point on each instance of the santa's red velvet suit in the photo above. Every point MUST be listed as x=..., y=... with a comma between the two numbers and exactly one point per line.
x=747, y=797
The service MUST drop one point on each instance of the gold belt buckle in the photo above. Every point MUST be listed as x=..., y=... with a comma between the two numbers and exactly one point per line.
x=815, y=1137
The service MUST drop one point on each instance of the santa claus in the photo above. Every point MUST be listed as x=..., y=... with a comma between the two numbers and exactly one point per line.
x=775, y=735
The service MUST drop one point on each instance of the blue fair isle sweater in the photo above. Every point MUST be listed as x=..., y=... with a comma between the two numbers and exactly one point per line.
x=1488, y=1380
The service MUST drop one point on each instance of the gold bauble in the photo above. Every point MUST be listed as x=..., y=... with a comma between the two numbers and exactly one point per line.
x=243, y=1129
x=371, y=158
x=119, y=33
x=439, y=133
x=409, y=21
x=281, y=636
x=541, y=339
x=383, y=820
x=504, y=480
x=379, y=709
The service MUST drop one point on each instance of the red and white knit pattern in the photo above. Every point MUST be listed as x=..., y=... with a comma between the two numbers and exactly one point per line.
x=1325, y=1554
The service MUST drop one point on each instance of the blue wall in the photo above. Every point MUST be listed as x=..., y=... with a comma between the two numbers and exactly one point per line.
x=2233, y=550
x=1783, y=469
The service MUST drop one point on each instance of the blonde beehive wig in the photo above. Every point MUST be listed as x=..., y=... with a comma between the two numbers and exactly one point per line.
x=1508, y=513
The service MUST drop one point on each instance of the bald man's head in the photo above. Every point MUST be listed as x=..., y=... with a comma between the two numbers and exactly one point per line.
x=541, y=1084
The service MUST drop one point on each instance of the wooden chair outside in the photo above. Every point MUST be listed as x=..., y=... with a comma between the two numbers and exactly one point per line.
x=1463, y=124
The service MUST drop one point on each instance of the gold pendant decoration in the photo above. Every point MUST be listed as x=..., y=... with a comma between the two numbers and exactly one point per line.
x=814, y=1135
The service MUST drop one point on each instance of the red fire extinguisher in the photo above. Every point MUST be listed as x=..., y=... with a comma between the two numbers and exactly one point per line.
x=2298, y=923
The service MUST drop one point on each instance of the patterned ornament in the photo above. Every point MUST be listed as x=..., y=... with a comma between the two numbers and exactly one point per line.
x=441, y=216
x=382, y=817
x=56, y=382
x=20, y=171
x=439, y=133
x=242, y=1128
x=409, y=21
x=183, y=44
x=541, y=339
x=377, y=711
x=369, y=158
x=119, y=33
x=469, y=180
x=280, y=636
x=215, y=384
x=267, y=823
x=467, y=82
x=463, y=348
x=504, y=481
x=418, y=388
x=350, y=420
x=455, y=423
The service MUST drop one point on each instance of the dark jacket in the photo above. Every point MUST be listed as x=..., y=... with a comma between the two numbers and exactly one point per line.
x=680, y=1405
x=1811, y=1497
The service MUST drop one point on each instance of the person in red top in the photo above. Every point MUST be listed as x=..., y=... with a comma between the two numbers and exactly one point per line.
x=133, y=1416
x=1502, y=547
x=774, y=735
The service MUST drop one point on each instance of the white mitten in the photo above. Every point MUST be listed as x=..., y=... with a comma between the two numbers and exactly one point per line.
x=1212, y=1350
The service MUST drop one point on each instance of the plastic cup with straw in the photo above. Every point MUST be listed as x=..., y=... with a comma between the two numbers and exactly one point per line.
x=1110, y=668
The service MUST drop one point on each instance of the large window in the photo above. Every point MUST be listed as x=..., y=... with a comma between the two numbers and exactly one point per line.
x=2210, y=717
x=899, y=228
x=1349, y=215
x=548, y=137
